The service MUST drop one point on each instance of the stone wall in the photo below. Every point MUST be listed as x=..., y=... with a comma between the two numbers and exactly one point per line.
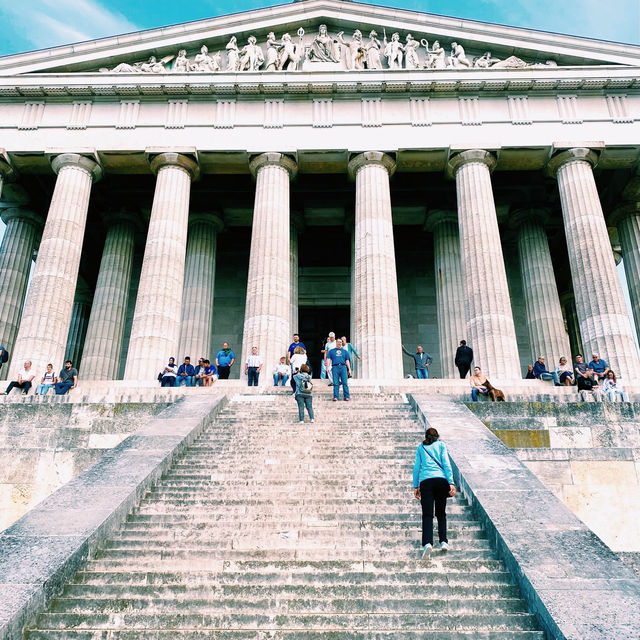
x=43, y=446
x=588, y=454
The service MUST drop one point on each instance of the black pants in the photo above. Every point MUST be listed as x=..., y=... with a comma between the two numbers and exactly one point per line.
x=223, y=372
x=463, y=368
x=252, y=376
x=25, y=386
x=434, y=490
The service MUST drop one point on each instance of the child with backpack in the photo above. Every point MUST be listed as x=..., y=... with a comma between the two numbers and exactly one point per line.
x=303, y=392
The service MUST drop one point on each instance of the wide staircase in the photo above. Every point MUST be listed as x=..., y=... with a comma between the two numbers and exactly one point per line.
x=270, y=529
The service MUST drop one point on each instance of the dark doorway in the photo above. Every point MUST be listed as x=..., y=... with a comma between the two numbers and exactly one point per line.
x=314, y=324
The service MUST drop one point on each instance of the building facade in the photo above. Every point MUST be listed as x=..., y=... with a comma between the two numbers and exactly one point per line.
x=394, y=176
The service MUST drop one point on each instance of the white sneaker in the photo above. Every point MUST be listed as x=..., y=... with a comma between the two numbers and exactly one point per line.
x=426, y=551
x=444, y=547
x=300, y=421
x=312, y=420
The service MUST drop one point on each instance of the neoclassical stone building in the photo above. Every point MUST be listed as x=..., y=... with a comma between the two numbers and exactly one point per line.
x=322, y=165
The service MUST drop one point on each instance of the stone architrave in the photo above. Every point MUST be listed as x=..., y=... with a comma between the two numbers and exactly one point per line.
x=199, y=285
x=103, y=342
x=626, y=218
x=604, y=322
x=267, y=316
x=450, y=307
x=78, y=324
x=547, y=333
x=20, y=238
x=44, y=326
x=155, y=330
x=490, y=328
x=377, y=334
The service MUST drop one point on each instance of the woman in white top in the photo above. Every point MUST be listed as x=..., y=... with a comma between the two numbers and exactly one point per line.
x=46, y=382
x=298, y=358
x=612, y=388
x=169, y=374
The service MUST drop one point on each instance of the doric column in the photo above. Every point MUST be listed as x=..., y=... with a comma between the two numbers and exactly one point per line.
x=377, y=333
x=627, y=218
x=296, y=226
x=452, y=324
x=6, y=170
x=44, y=327
x=547, y=334
x=490, y=329
x=155, y=330
x=604, y=323
x=16, y=253
x=199, y=283
x=568, y=302
x=103, y=342
x=267, y=313
x=78, y=324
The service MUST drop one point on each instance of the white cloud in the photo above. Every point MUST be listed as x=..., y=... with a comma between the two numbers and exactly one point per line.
x=47, y=23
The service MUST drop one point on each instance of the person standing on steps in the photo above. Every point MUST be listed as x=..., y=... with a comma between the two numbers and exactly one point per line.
x=298, y=358
x=330, y=344
x=340, y=370
x=464, y=358
x=224, y=361
x=421, y=360
x=253, y=367
x=303, y=393
x=433, y=483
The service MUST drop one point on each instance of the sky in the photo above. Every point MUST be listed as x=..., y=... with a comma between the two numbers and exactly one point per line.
x=38, y=24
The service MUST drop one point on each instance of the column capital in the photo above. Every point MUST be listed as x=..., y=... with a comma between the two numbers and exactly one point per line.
x=23, y=214
x=520, y=215
x=440, y=216
x=273, y=159
x=576, y=154
x=77, y=160
x=471, y=155
x=371, y=158
x=623, y=211
x=212, y=219
x=174, y=159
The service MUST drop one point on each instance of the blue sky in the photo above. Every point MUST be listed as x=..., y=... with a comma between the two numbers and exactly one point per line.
x=36, y=24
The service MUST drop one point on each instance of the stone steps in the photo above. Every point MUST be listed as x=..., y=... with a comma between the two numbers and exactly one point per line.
x=265, y=529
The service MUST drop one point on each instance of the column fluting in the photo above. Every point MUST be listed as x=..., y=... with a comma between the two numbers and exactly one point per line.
x=450, y=307
x=267, y=315
x=296, y=226
x=155, y=330
x=103, y=342
x=604, y=323
x=568, y=302
x=78, y=324
x=547, y=333
x=199, y=286
x=44, y=326
x=627, y=219
x=377, y=333
x=490, y=328
x=16, y=253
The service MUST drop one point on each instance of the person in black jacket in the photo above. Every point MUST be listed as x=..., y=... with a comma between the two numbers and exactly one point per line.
x=464, y=358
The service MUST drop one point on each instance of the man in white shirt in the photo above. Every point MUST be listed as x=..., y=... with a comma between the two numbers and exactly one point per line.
x=252, y=367
x=331, y=344
x=25, y=378
x=281, y=372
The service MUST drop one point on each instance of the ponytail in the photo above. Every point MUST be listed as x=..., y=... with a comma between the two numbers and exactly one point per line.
x=430, y=436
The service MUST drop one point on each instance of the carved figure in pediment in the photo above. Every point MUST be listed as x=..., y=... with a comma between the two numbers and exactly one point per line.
x=458, y=56
x=181, y=63
x=512, y=62
x=205, y=63
x=233, y=55
x=271, y=58
x=251, y=56
x=123, y=67
x=323, y=47
x=373, y=52
x=411, y=61
x=485, y=61
x=438, y=57
x=393, y=51
x=358, y=51
x=289, y=54
x=154, y=66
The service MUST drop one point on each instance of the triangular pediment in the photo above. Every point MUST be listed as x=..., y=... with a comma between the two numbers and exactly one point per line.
x=158, y=51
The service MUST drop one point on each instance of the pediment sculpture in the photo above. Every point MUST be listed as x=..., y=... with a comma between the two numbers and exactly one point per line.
x=325, y=51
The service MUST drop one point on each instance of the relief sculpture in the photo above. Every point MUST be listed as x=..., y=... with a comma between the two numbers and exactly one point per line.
x=324, y=51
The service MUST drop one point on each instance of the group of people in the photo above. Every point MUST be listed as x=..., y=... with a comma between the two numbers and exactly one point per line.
x=62, y=383
x=596, y=376
x=204, y=374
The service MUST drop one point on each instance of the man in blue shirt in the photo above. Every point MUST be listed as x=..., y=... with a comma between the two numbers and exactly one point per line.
x=340, y=369
x=599, y=367
x=296, y=343
x=186, y=373
x=224, y=361
x=421, y=359
x=541, y=373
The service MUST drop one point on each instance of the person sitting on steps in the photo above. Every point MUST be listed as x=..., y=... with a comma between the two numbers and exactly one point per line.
x=24, y=381
x=478, y=380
